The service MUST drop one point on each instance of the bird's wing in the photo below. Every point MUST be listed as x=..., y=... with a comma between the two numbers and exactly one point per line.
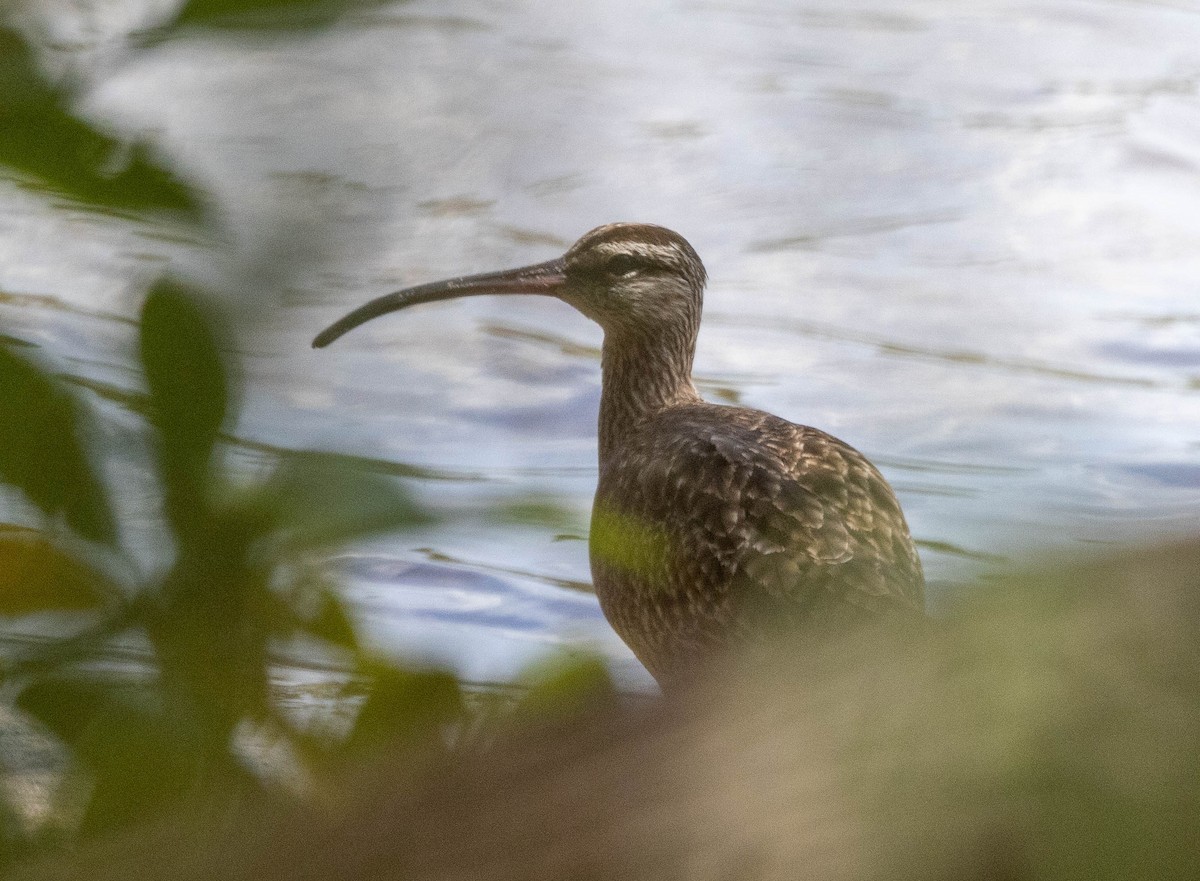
x=785, y=519
x=827, y=530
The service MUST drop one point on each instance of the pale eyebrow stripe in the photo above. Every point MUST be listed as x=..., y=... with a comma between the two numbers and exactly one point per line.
x=638, y=249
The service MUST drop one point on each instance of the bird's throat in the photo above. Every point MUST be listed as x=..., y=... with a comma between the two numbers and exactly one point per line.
x=643, y=374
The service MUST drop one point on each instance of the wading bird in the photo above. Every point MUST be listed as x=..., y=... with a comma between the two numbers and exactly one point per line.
x=712, y=525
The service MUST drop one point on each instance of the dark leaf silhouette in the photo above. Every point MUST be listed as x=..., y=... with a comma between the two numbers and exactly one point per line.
x=14, y=842
x=35, y=576
x=262, y=15
x=332, y=622
x=41, y=451
x=216, y=617
x=406, y=708
x=140, y=758
x=136, y=756
x=66, y=703
x=41, y=139
x=561, y=686
x=189, y=394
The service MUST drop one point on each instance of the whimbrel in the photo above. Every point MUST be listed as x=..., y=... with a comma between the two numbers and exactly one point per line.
x=711, y=524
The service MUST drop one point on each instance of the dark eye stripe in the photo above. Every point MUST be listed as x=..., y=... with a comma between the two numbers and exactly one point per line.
x=623, y=264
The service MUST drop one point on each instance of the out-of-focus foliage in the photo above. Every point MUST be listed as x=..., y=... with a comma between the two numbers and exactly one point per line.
x=189, y=396
x=259, y=15
x=564, y=686
x=1046, y=729
x=238, y=589
x=628, y=543
x=209, y=635
x=415, y=709
x=44, y=142
x=35, y=576
x=41, y=450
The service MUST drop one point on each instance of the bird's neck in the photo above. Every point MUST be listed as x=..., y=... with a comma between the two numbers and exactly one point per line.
x=644, y=373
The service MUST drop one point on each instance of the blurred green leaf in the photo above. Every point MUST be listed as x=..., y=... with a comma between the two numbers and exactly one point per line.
x=136, y=756
x=216, y=618
x=141, y=759
x=23, y=83
x=41, y=451
x=322, y=500
x=406, y=708
x=66, y=703
x=189, y=394
x=39, y=137
x=332, y=622
x=562, y=686
x=628, y=542
x=35, y=576
x=15, y=844
x=281, y=15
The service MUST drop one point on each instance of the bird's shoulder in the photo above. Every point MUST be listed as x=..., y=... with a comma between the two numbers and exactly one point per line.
x=716, y=447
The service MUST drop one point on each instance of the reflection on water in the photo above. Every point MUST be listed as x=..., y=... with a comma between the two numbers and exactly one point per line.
x=964, y=237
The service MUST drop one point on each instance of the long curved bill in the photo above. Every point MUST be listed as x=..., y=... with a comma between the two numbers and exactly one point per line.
x=541, y=278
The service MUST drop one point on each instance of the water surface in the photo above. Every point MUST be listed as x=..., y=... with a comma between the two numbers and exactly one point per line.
x=964, y=237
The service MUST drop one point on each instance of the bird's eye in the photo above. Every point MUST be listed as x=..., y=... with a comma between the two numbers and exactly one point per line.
x=622, y=266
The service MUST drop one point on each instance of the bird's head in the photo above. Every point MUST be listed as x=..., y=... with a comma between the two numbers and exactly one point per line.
x=627, y=277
